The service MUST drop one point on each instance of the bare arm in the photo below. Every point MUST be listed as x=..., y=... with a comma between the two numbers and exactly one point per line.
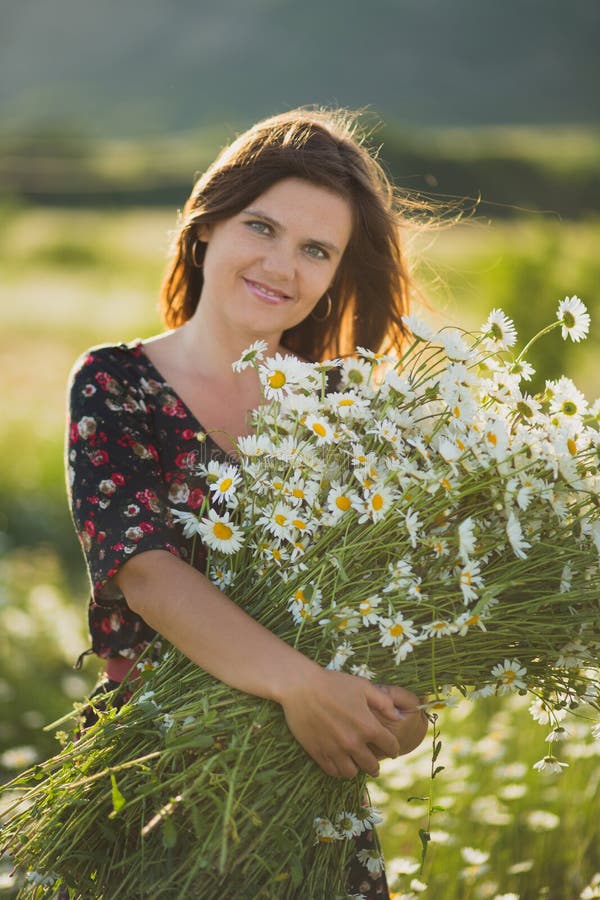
x=332, y=714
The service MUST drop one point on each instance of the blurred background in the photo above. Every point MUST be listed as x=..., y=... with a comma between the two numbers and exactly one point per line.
x=107, y=112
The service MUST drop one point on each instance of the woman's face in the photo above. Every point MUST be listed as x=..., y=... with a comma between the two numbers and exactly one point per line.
x=266, y=268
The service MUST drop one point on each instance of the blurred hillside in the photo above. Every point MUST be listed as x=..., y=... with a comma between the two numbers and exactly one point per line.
x=133, y=68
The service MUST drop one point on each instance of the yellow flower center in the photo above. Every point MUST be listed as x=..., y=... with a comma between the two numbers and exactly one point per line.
x=319, y=429
x=365, y=607
x=342, y=502
x=343, y=624
x=456, y=412
x=299, y=596
x=439, y=626
x=396, y=630
x=277, y=379
x=276, y=554
x=280, y=519
x=225, y=484
x=222, y=531
x=446, y=484
x=472, y=620
x=509, y=676
x=347, y=401
x=299, y=493
x=572, y=446
x=466, y=578
x=377, y=502
x=491, y=438
x=299, y=524
x=460, y=444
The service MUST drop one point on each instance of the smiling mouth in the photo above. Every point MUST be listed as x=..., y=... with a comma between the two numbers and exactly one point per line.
x=267, y=293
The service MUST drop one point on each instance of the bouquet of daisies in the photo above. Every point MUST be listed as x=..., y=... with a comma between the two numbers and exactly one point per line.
x=429, y=523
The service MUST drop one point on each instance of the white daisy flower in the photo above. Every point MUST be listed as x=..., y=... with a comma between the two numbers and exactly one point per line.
x=500, y=330
x=250, y=356
x=574, y=318
x=224, y=488
x=374, y=356
x=376, y=503
x=363, y=671
x=470, y=581
x=356, y=372
x=348, y=404
x=454, y=346
x=278, y=520
x=439, y=628
x=347, y=825
x=522, y=369
x=221, y=576
x=219, y=533
x=340, y=500
x=510, y=676
x=474, y=857
x=395, y=629
x=305, y=604
x=368, y=610
x=321, y=428
x=557, y=734
x=466, y=539
x=515, y=536
x=372, y=861
x=189, y=520
x=567, y=400
x=346, y=620
x=550, y=764
x=325, y=831
x=281, y=375
x=340, y=657
x=254, y=445
x=419, y=328
x=544, y=713
x=413, y=526
x=469, y=620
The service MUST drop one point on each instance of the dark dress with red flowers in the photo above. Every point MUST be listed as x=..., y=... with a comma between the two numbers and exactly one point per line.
x=133, y=452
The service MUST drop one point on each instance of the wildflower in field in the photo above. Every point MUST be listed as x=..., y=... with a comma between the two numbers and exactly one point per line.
x=219, y=533
x=511, y=896
x=510, y=676
x=348, y=404
x=469, y=620
x=356, y=372
x=574, y=318
x=305, y=604
x=466, y=539
x=499, y=330
x=340, y=500
x=542, y=820
x=550, y=764
x=455, y=346
x=221, y=576
x=376, y=503
x=592, y=890
x=254, y=445
x=557, y=734
x=438, y=628
x=402, y=865
x=520, y=868
x=346, y=620
x=566, y=399
x=250, y=356
x=18, y=757
x=476, y=862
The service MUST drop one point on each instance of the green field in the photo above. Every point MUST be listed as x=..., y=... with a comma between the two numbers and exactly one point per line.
x=74, y=278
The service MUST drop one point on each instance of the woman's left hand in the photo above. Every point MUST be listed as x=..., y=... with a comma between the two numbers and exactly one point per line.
x=411, y=727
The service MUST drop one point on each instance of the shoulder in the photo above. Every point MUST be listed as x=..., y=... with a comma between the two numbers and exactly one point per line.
x=109, y=366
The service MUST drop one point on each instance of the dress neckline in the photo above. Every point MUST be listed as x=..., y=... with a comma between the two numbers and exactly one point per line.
x=138, y=345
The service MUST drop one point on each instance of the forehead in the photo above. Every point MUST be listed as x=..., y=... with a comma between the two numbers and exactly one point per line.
x=301, y=204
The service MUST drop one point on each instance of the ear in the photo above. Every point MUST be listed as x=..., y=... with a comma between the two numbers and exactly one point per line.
x=203, y=232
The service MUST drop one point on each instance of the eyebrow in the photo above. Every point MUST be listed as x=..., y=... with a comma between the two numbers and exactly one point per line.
x=257, y=212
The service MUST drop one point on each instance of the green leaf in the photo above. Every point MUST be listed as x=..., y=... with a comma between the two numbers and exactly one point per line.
x=118, y=800
x=423, y=799
x=437, y=770
x=438, y=809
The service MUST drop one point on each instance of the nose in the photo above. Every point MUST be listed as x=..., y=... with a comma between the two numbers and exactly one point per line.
x=279, y=261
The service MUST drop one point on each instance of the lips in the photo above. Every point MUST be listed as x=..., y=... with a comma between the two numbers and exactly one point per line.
x=265, y=292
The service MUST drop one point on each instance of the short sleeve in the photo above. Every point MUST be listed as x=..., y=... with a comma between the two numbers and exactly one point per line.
x=115, y=483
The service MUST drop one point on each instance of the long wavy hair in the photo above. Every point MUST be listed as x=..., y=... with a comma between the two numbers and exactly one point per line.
x=372, y=286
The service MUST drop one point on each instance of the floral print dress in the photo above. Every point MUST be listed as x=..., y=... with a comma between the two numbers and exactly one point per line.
x=133, y=451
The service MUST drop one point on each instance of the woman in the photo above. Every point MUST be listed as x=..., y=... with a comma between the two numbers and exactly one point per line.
x=290, y=237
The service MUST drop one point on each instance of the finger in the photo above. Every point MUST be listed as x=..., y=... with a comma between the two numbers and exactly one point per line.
x=402, y=698
x=329, y=766
x=365, y=759
x=383, y=740
x=382, y=702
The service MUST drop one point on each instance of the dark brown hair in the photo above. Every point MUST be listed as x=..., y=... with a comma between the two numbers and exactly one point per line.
x=370, y=292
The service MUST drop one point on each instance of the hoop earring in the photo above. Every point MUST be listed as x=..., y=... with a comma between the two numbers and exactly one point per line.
x=195, y=262
x=327, y=314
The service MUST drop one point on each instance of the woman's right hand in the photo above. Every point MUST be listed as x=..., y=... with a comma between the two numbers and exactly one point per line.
x=332, y=715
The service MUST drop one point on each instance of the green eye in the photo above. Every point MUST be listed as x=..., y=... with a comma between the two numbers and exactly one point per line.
x=316, y=252
x=259, y=227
